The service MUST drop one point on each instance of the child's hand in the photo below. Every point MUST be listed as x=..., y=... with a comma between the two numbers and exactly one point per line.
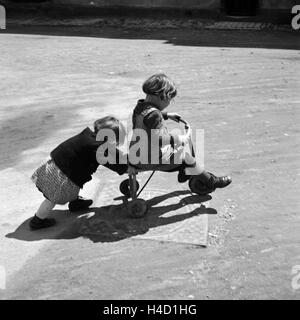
x=174, y=116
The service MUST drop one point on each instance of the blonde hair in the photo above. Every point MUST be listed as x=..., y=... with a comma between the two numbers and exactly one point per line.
x=114, y=124
x=160, y=85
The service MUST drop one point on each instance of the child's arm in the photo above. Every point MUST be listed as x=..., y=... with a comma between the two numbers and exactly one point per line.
x=155, y=121
x=172, y=116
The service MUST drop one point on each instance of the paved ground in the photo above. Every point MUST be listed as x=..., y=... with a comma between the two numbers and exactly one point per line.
x=241, y=87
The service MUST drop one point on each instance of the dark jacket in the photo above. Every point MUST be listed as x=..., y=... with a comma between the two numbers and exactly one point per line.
x=76, y=157
x=147, y=116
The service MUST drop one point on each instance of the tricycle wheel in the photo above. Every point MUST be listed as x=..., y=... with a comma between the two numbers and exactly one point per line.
x=197, y=186
x=125, y=189
x=137, y=208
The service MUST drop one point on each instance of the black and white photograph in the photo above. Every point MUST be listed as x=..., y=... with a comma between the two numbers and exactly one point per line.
x=149, y=151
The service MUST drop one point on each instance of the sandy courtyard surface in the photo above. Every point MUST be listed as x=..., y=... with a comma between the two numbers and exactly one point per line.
x=242, y=88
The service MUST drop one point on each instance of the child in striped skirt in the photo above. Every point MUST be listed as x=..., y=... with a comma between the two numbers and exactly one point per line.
x=70, y=166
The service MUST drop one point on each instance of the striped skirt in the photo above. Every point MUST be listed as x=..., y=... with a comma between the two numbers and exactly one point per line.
x=54, y=184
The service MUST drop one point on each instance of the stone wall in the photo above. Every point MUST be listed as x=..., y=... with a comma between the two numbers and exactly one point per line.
x=277, y=4
x=156, y=4
x=176, y=4
x=277, y=11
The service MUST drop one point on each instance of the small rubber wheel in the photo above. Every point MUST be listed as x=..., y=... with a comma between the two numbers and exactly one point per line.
x=137, y=208
x=197, y=186
x=124, y=188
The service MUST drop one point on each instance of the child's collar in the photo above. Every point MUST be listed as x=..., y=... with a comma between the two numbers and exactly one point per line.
x=144, y=102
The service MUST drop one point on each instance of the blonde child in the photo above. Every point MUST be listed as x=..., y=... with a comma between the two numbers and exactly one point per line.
x=70, y=166
x=149, y=116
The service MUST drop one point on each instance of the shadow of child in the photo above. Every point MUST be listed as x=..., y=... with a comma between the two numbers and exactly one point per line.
x=111, y=223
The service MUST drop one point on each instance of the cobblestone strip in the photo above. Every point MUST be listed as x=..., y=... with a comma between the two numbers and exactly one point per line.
x=138, y=23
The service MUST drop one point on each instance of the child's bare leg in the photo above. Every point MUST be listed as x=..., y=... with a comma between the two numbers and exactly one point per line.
x=196, y=170
x=45, y=209
x=40, y=219
x=189, y=168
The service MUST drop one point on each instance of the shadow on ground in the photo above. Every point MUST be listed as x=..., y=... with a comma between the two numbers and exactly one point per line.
x=37, y=125
x=111, y=223
x=182, y=37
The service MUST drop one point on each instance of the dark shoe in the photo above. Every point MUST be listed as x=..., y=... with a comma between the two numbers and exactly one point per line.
x=37, y=223
x=79, y=204
x=218, y=182
x=182, y=177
